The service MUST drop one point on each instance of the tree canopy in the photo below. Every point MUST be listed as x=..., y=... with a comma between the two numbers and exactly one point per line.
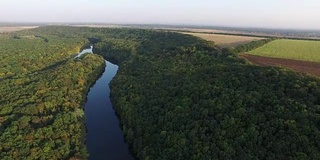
x=177, y=96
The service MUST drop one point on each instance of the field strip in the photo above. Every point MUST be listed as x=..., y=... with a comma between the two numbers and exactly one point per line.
x=224, y=40
x=16, y=28
x=296, y=65
x=304, y=50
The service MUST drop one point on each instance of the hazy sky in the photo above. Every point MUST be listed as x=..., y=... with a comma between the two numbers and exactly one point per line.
x=247, y=13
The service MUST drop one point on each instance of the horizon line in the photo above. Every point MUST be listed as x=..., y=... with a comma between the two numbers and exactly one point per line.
x=160, y=24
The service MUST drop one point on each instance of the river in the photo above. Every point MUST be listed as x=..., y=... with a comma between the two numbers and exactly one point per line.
x=88, y=50
x=104, y=138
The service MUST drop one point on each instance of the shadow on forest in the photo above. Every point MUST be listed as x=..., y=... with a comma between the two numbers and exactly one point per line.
x=53, y=66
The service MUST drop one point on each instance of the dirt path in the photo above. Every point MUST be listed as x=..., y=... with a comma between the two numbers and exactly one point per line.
x=296, y=65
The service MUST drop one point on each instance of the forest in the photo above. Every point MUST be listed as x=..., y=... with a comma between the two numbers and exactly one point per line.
x=192, y=101
x=177, y=97
x=43, y=89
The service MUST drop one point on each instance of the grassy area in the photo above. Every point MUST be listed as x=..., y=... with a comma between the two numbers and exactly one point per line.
x=291, y=49
x=225, y=40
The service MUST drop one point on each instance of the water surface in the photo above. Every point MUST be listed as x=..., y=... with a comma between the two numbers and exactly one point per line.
x=104, y=138
x=88, y=50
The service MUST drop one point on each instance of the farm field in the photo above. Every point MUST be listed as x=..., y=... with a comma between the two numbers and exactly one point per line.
x=312, y=68
x=224, y=40
x=6, y=29
x=290, y=49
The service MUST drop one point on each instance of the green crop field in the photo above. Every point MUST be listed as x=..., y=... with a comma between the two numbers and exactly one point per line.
x=291, y=49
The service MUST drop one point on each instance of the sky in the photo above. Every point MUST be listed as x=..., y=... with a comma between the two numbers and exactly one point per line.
x=288, y=14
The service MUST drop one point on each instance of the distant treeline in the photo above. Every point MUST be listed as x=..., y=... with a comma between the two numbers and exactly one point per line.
x=267, y=36
x=270, y=36
x=249, y=46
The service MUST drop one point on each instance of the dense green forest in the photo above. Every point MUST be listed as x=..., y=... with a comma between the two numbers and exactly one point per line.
x=43, y=89
x=177, y=96
x=191, y=101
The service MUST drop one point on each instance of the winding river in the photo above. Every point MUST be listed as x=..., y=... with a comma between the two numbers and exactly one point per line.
x=88, y=50
x=104, y=138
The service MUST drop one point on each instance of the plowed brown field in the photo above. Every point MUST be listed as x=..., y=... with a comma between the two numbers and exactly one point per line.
x=296, y=65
